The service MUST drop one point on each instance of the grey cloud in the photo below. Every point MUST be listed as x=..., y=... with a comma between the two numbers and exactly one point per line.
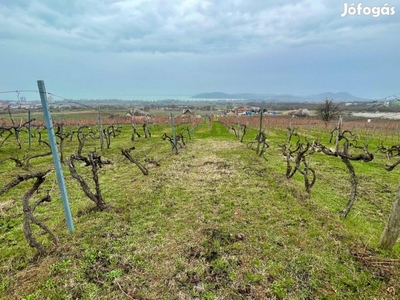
x=179, y=26
x=92, y=48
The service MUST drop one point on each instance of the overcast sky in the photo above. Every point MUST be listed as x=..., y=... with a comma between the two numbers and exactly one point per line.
x=96, y=49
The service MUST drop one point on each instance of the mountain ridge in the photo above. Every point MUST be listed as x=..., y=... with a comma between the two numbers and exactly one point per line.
x=339, y=96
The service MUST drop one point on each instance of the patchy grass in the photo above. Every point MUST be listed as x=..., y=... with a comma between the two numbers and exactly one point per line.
x=213, y=222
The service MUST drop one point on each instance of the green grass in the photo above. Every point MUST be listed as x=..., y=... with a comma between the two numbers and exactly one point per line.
x=213, y=222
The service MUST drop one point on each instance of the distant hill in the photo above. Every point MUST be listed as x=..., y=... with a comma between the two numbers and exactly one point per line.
x=287, y=98
x=341, y=96
x=220, y=95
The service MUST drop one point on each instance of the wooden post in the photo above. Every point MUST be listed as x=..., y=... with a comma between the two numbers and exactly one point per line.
x=259, y=133
x=100, y=131
x=338, y=133
x=29, y=129
x=56, y=159
x=173, y=135
x=238, y=124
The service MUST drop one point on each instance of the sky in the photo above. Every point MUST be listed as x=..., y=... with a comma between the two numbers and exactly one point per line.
x=106, y=49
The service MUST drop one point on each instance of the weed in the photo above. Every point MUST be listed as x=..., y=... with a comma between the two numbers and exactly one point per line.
x=62, y=267
x=114, y=274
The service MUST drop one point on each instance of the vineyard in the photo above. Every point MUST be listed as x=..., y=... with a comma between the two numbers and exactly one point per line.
x=199, y=208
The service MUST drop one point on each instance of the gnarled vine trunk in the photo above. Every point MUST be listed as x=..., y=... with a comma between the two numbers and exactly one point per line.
x=392, y=229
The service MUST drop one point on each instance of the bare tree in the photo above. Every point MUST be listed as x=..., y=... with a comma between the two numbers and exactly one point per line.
x=328, y=111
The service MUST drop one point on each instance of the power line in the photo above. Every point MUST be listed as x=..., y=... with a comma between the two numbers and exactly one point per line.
x=74, y=102
x=58, y=96
x=19, y=91
x=51, y=94
x=71, y=101
x=390, y=96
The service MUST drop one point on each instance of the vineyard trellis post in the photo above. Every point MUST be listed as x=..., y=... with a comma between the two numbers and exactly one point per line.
x=173, y=134
x=56, y=160
x=238, y=124
x=259, y=132
x=338, y=133
x=100, y=131
x=29, y=129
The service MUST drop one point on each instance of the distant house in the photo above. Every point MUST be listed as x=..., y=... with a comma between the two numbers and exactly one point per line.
x=187, y=116
x=241, y=110
x=187, y=112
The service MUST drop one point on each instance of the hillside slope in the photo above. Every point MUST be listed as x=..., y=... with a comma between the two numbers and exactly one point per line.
x=213, y=222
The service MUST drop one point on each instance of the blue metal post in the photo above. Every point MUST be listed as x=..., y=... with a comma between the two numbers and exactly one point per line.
x=54, y=151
